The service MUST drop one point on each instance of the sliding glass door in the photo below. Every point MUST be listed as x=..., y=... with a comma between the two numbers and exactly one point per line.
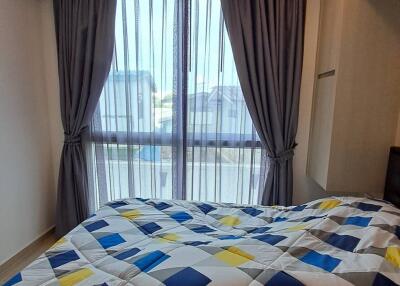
x=172, y=121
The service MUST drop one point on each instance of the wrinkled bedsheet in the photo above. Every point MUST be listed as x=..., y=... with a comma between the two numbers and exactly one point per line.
x=334, y=241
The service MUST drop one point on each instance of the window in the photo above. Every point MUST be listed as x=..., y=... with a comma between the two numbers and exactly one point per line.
x=232, y=112
x=171, y=121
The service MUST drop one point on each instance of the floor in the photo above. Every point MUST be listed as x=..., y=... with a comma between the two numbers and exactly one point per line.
x=26, y=256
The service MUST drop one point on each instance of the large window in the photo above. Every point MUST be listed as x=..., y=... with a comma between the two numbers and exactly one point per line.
x=172, y=121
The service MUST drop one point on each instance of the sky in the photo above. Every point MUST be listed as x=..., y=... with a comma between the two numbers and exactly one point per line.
x=149, y=29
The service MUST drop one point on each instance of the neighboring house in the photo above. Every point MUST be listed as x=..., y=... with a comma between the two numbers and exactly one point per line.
x=128, y=87
x=222, y=109
x=134, y=105
x=138, y=90
x=217, y=114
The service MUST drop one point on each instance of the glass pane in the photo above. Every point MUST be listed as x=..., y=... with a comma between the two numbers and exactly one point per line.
x=215, y=99
x=136, y=140
x=138, y=94
x=217, y=115
x=147, y=170
x=132, y=125
x=224, y=174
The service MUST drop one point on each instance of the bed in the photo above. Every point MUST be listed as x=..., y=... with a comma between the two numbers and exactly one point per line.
x=334, y=241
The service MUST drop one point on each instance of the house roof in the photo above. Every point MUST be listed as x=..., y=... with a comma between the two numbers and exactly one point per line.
x=231, y=94
x=136, y=76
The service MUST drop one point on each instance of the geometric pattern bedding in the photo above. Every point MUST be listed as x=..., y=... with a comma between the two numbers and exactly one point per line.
x=335, y=241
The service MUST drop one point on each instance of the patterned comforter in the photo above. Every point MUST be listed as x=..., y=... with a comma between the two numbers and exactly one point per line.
x=335, y=241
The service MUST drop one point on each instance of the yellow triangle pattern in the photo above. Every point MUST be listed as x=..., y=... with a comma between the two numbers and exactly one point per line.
x=133, y=214
x=393, y=255
x=329, y=204
x=234, y=256
x=169, y=237
x=75, y=277
x=230, y=220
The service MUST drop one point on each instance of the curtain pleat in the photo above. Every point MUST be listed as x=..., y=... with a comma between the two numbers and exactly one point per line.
x=224, y=157
x=267, y=44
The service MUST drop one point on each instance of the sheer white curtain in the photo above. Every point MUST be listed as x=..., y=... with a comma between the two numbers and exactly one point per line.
x=171, y=121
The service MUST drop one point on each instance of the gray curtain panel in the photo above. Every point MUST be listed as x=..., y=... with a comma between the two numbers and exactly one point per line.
x=85, y=41
x=267, y=44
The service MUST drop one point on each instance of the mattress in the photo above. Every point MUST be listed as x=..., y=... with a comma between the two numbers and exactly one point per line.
x=335, y=241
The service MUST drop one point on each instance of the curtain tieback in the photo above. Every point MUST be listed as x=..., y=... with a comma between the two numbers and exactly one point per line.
x=283, y=156
x=75, y=139
x=72, y=139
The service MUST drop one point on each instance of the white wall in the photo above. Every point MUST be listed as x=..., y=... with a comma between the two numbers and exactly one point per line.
x=27, y=179
x=304, y=189
x=49, y=50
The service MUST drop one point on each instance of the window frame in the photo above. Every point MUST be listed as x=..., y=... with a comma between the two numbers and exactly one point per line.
x=181, y=140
